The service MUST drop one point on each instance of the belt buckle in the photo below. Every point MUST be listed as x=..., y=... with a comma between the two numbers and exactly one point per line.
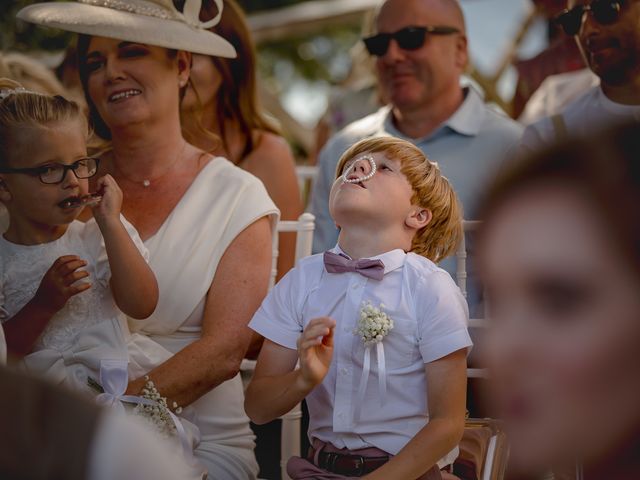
x=329, y=462
x=360, y=466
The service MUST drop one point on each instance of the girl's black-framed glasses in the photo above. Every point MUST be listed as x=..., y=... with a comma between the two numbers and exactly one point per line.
x=53, y=173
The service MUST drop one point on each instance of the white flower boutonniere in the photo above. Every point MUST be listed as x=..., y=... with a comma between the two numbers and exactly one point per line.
x=373, y=326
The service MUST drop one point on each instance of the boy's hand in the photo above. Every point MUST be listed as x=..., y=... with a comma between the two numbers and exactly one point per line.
x=315, y=349
x=111, y=204
x=59, y=283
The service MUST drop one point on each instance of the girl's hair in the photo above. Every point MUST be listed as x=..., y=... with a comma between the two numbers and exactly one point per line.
x=237, y=97
x=98, y=125
x=21, y=108
x=604, y=169
x=431, y=190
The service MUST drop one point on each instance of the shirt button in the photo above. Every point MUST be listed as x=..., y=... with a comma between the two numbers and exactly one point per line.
x=346, y=330
x=355, y=285
x=344, y=371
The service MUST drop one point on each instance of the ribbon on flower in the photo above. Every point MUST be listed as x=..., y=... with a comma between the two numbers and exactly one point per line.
x=364, y=378
x=114, y=379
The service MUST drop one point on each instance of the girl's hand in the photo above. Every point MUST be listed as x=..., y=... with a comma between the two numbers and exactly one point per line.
x=59, y=283
x=111, y=204
x=315, y=349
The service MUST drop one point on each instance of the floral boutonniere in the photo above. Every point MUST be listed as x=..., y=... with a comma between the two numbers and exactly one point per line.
x=373, y=326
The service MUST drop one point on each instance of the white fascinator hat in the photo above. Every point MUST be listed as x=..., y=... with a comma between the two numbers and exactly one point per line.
x=152, y=22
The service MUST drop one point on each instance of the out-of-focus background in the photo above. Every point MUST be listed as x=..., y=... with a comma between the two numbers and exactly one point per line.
x=316, y=77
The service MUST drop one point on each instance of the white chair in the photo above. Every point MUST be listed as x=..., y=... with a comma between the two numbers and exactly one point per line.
x=290, y=433
x=461, y=279
x=291, y=421
x=307, y=175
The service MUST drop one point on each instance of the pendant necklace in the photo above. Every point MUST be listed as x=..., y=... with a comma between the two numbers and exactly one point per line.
x=146, y=182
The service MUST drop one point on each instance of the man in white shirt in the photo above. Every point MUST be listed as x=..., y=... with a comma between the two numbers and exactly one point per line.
x=608, y=34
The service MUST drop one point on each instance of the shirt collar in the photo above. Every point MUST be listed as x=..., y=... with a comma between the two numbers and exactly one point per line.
x=467, y=120
x=392, y=260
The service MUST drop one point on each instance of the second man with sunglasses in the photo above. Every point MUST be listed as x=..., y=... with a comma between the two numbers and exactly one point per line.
x=608, y=34
x=420, y=48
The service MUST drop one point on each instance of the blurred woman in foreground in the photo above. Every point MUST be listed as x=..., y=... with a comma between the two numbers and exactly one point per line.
x=560, y=256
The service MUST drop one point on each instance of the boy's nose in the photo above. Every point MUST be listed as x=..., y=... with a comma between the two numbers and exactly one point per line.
x=361, y=167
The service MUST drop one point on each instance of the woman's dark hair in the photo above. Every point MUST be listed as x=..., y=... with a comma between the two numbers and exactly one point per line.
x=98, y=125
x=604, y=169
x=237, y=97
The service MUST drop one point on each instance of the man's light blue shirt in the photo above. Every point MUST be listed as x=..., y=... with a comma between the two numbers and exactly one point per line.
x=469, y=147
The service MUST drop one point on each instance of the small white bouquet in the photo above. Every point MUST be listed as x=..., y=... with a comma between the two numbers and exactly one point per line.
x=373, y=325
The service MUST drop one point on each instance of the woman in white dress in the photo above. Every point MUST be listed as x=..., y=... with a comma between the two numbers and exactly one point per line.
x=207, y=224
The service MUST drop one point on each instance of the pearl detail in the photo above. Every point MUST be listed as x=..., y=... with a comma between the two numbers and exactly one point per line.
x=146, y=183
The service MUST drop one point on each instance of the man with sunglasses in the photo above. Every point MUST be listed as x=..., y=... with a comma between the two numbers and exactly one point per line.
x=608, y=35
x=420, y=47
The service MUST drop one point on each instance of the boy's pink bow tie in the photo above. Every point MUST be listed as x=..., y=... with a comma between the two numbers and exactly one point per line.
x=338, y=263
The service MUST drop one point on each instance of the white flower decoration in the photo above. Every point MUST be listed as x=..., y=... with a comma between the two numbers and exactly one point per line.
x=374, y=324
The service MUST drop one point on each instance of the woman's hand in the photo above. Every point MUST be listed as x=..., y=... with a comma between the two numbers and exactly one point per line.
x=109, y=207
x=315, y=349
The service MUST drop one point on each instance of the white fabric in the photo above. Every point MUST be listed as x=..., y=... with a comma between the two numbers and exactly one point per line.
x=184, y=254
x=591, y=111
x=89, y=327
x=556, y=92
x=430, y=319
x=152, y=22
x=126, y=449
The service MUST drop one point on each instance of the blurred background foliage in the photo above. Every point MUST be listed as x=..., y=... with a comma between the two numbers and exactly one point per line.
x=287, y=67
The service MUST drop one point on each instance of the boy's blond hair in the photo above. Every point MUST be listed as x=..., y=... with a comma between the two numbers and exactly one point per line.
x=431, y=190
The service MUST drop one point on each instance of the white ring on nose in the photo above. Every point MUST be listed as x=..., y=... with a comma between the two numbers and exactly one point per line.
x=352, y=167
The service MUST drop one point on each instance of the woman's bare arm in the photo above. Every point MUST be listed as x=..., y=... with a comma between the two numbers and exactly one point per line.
x=239, y=286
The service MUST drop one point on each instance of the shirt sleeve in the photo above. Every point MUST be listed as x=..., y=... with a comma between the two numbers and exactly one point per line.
x=279, y=317
x=443, y=317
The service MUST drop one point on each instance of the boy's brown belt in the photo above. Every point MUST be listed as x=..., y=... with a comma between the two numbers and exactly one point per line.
x=347, y=465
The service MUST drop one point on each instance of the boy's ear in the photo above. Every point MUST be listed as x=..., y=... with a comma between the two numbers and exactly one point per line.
x=5, y=194
x=418, y=218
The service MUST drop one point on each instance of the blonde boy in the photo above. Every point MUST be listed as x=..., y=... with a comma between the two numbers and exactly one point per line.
x=392, y=407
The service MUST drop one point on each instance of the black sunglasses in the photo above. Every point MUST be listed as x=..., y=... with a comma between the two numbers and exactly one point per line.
x=605, y=12
x=56, y=172
x=408, y=38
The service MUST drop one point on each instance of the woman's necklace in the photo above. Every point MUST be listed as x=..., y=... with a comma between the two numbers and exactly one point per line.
x=146, y=182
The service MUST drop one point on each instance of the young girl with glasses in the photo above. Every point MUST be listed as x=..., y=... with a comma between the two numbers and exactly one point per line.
x=64, y=284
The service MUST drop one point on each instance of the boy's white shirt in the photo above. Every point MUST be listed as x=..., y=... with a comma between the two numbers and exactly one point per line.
x=430, y=321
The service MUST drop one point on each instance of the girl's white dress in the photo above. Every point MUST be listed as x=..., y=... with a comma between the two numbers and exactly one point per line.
x=90, y=329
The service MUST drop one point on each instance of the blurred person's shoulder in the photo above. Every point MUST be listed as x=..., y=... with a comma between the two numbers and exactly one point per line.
x=556, y=92
x=574, y=119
